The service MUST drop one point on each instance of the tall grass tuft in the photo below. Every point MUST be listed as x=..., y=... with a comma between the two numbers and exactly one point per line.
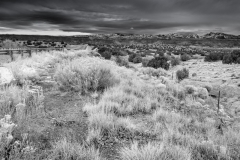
x=154, y=151
x=66, y=150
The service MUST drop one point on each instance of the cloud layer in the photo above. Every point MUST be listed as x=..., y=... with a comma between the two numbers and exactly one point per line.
x=115, y=16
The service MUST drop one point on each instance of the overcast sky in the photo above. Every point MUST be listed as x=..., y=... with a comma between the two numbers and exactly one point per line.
x=71, y=17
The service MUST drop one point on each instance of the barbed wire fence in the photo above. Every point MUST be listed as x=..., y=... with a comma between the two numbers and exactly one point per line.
x=21, y=51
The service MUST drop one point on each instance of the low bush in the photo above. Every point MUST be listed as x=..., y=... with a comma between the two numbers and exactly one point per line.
x=129, y=52
x=145, y=62
x=185, y=57
x=212, y=57
x=227, y=59
x=238, y=60
x=143, y=54
x=123, y=53
x=233, y=57
x=102, y=49
x=84, y=75
x=159, y=62
x=65, y=149
x=122, y=62
x=106, y=54
x=182, y=74
x=175, y=61
x=29, y=42
x=160, y=54
x=116, y=52
x=131, y=57
x=137, y=59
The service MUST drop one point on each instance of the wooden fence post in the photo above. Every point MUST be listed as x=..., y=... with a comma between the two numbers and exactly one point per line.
x=30, y=53
x=11, y=55
x=218, y=105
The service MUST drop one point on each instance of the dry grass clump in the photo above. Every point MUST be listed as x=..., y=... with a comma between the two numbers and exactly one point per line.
x=85, y=74
x=66, y=150
x=10, y=97
x=154, y=72
x=20, y=102
x=154, y=151
x=129, y=98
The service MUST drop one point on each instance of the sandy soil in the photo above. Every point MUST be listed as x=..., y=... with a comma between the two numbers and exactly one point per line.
x=223, y=77
x=215, y=73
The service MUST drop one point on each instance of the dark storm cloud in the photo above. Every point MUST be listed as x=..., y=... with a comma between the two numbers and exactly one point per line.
x=107, y=16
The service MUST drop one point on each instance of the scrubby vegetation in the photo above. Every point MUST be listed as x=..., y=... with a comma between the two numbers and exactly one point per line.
x=182, y=74
x=145, y=62
x=106, y=53
x=159, y=62
x=122, y=62
x=185, y=57
x=137, y=59
x=233, y=57
x=84, y=75
x=72, y=105
x=175, y=61
x=131, y=57
x=227, y=57
x=213, y=57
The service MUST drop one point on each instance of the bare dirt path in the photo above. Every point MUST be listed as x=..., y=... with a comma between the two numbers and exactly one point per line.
x=66, y=115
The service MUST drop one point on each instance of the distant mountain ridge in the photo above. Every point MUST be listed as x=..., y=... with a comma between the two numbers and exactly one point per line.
x=218, y=35
x=191, y=35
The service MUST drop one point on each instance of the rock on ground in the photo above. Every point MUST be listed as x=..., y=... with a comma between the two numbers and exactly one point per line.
x=202, y=93
x=6, y=76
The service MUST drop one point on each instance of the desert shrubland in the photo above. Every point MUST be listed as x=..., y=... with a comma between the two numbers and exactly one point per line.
x=127, y=115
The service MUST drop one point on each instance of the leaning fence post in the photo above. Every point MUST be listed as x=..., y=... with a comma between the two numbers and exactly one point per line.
x=218, y=105
x=30, y=53
x=220, y=125
x=11, y=54
x=22, y=53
